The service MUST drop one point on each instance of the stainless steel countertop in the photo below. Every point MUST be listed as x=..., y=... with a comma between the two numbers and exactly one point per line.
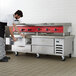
x=39, y=36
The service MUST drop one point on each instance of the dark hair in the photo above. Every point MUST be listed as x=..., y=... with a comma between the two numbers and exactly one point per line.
x=19, y=12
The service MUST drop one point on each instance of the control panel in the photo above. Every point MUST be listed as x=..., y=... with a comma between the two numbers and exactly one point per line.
x=43, y=29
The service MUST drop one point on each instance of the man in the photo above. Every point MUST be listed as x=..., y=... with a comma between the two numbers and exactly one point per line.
x=10, y=21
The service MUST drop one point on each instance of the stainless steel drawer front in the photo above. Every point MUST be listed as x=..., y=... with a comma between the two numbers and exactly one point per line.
x=43, y=49
x=42, y=41
x=26, y=48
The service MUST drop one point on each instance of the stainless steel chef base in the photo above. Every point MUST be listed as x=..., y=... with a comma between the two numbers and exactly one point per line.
x=50, y=45
x=47, y=38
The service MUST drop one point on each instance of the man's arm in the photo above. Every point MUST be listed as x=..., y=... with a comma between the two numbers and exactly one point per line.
x=18, y=30
x=11, y=32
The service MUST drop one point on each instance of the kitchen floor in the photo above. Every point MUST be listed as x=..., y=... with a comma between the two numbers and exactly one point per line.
x=29, y=65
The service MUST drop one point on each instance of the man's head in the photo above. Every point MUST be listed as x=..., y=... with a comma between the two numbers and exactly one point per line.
x=18, y=14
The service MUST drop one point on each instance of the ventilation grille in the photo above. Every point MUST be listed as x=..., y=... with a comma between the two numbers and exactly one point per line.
x=58, y=49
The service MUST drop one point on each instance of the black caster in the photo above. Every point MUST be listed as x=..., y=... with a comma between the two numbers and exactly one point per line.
x=63, y=58
x=37, y=55
x=70, y=55
x=16, y=53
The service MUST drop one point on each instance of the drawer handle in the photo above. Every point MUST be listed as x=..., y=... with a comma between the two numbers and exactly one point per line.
x=21, y=46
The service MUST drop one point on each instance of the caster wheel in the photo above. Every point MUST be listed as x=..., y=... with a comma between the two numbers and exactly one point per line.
x=70, y=55
x=63, y=58
x=16, y=53
x=37, y=55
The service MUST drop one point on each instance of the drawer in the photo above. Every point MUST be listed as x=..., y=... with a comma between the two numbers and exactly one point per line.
x=26, y=48
x=20, y=42
x=42, y=41
x=43, y=49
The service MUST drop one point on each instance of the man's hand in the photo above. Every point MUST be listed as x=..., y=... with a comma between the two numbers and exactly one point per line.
x=22, y=35
x=15, y=39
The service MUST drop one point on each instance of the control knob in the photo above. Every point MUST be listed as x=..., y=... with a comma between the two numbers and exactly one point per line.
x=47, y=29
x=22, y=29
x=29, y=29
x=38, y=29
x=55, y=29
